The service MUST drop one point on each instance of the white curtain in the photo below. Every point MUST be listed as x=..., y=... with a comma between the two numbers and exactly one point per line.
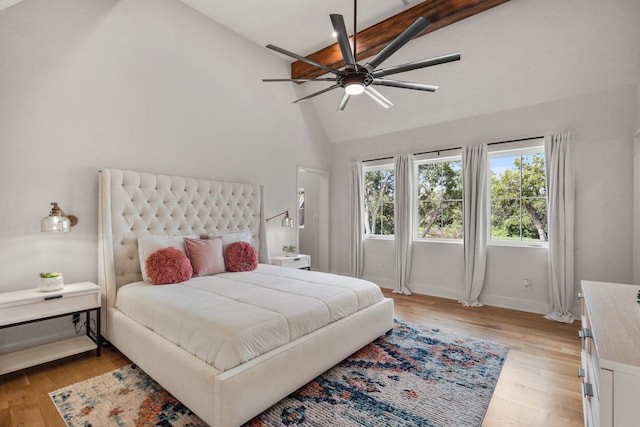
x=475, y=221
x=356, y=257
x=560, y=208
x=403, y=239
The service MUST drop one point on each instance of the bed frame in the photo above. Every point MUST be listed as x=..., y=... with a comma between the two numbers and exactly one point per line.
x=134, y=203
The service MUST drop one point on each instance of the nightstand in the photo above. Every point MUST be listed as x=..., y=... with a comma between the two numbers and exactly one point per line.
x=298, y=261
x=34, y=305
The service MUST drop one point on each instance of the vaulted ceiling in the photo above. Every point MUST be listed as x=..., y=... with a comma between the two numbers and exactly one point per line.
x=514, y=54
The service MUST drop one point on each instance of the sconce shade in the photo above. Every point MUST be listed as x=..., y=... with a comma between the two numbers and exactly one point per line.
x=287, y=221
x=57, y=221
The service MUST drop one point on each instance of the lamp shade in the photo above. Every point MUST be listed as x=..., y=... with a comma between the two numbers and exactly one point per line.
x=287, y=221
x=55, y=224
x=57, y=221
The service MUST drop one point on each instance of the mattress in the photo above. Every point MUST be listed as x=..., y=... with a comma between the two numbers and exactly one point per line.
x=231, y=318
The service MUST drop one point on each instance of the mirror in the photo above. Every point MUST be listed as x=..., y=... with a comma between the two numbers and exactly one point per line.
x=313, y=216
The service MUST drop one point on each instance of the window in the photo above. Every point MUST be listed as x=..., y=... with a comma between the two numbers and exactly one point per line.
x=439, y=198
x=379, y=185
x=301, y=207
x=518, y=195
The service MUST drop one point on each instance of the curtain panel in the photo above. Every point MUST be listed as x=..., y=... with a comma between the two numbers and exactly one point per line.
x=561, y=212
x=356, y=226
x=403, y=241
x=475, y=213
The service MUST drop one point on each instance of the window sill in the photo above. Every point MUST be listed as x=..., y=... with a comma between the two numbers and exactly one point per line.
x=379, y=237
x=449, y=241
x=539, y=245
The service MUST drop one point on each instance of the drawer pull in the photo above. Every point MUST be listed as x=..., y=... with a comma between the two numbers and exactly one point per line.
x=585, y=333
x=587, y=389
x=52, y=297
x=581, y=373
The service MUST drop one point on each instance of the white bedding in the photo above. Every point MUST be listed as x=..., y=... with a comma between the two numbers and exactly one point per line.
x=231, y=318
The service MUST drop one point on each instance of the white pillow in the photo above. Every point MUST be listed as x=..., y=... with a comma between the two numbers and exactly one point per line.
x=149, y=243
x=232, y=237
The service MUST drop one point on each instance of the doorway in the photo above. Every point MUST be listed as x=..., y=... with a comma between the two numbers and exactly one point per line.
x=313, y=216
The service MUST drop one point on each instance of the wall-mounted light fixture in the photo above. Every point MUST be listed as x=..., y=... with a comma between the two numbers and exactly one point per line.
x=57, y=221
x=287, y=221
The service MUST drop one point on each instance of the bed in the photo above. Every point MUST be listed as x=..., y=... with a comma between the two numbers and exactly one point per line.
x=309, y=329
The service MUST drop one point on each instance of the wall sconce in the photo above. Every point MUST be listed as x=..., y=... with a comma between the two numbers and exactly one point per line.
x=287, y=221
x=57, y=221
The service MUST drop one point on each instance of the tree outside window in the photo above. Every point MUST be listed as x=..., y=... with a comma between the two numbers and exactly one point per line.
x=518, y=196
x=439, y=199
x=379, y=186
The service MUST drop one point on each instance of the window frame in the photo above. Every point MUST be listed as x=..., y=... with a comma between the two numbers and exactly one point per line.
x=373, y=166
x=454, y=155
x=535, y=146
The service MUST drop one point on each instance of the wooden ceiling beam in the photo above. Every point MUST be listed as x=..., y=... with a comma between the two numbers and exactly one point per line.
x=373, y=39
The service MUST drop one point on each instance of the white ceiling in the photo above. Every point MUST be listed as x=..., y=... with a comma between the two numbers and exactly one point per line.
x=299, y=26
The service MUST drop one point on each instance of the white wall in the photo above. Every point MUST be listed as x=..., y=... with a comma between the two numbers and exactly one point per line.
x=603, y=124
x=148, y=85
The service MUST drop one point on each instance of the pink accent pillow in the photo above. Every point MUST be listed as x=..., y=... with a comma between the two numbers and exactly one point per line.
x=241, y=256
x=168, y=265
x=205, y=255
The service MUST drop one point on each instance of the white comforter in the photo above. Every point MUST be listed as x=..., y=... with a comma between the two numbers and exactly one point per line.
x=230, y=318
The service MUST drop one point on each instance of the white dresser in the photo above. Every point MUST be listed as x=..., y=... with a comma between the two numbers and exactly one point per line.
x=610, y=354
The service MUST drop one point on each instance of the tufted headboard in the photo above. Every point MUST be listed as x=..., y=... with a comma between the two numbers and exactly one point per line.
x=134, y=203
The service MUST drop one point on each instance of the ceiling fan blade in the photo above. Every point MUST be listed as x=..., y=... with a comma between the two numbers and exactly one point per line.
x=413, y=30
x=343, y=39
x=405, y=85
x=320, y=92
x=417, y=64
x=343, y=102
x=328, y=79
x=303, y=59
x=378, y=97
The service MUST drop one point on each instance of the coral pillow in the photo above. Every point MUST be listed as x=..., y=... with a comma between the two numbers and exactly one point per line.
x=168, y=265
x=241, y=256
x=205, y=256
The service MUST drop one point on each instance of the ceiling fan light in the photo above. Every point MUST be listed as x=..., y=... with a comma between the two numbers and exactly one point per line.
x=354, y=88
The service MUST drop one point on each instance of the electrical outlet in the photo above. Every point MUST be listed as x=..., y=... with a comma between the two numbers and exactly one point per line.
x=526, y=285
x=75, y=318
x=379, y=268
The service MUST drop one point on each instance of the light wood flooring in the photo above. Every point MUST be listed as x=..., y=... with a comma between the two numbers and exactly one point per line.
x=538, y=385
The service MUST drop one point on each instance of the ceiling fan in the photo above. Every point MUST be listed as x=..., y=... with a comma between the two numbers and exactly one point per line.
x=355, y=78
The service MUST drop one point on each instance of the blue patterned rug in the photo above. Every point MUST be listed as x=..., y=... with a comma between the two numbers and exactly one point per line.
x=415, y=377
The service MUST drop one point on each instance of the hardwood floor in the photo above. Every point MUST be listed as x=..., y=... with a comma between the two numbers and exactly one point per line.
x=538, y=385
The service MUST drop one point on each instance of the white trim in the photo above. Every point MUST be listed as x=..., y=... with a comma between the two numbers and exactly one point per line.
x=636, y=208
x=528, y=146
x=378, y=165
x=435, y=157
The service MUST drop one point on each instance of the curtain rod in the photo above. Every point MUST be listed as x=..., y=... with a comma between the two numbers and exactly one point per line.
x=459, y=148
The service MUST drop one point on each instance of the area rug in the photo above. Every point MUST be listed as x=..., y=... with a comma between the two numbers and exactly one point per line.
x=416, y=376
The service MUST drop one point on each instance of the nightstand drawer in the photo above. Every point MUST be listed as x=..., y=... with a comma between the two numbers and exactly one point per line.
x=296, y=263
x=300, y=261
x=23, y=306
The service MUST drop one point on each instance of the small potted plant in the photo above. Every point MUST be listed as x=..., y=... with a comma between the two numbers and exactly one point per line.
x=51, y=281
x=289, y=250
